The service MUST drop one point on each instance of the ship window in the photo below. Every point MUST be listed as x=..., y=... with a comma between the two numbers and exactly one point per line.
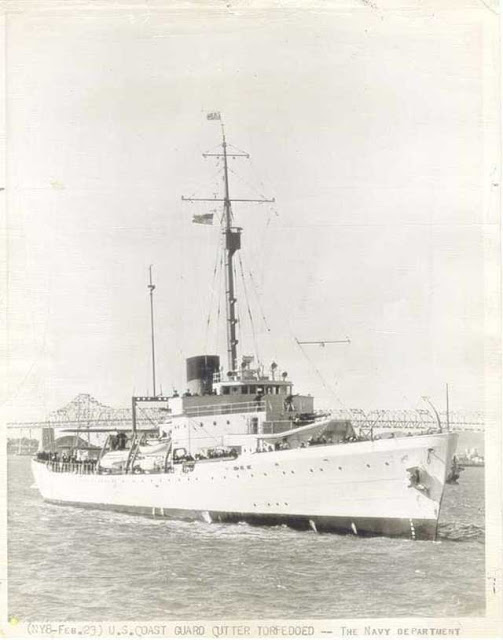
x=244, y=389
x=225, y=391
x=253, y=389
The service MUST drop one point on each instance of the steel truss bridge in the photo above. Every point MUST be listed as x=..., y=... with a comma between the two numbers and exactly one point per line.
x=86, y=413
x=410, y=419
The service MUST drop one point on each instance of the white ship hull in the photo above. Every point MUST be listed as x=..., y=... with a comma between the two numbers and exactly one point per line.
x=383, y=487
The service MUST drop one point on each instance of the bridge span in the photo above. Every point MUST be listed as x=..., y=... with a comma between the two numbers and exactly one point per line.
x=87, y=413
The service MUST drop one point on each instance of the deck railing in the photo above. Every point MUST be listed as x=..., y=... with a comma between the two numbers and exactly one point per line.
x=84, y=468
x=225, y=408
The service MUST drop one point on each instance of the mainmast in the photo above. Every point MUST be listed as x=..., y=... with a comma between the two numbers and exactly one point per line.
x=232, y=244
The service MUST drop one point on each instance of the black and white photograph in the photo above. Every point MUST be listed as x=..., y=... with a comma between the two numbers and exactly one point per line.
x=250, y=319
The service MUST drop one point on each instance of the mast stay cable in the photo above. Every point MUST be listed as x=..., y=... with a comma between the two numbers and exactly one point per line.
x=218, y=258
x=255, y=290
x=250, y=315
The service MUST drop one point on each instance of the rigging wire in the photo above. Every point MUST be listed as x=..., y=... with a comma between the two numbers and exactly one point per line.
x=195, y=425
x=247, y=183
x=233, y=146
x=330, y=390
x=218, y=258
x=219, y=301
x=255, y=290
x=147, y=416
x=272, y=210
x=215, y=309
x=258, y=188
x=238, y=317
x=200, y=184
x=252, y=323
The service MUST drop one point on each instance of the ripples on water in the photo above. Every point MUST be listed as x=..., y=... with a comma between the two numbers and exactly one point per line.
x=68, y=563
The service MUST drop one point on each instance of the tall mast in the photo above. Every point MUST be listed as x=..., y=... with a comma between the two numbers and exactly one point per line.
x=151, y=287
x=232, y=244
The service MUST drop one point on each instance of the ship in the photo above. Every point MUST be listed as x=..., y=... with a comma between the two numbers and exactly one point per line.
x=240, y=445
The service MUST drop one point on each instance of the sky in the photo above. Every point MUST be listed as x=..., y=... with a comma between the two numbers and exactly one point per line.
x=373, y=125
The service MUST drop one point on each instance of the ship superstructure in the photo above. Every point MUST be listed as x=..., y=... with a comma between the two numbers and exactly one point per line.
x=241, y=444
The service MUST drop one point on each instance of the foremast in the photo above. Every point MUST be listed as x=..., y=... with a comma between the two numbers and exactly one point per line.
x=232, y=244
x=232, y=235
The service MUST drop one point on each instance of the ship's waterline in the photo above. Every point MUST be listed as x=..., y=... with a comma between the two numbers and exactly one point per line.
x=391, y=527
x=362, y=487
x=160, y=569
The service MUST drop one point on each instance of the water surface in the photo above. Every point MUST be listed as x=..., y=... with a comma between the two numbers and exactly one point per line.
x=69, y=563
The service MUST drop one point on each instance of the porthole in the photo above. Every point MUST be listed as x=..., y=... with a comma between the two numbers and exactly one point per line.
x=368, y=465
x=340, y=468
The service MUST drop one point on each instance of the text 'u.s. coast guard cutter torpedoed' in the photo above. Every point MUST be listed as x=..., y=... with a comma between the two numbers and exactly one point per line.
x=242, y=446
